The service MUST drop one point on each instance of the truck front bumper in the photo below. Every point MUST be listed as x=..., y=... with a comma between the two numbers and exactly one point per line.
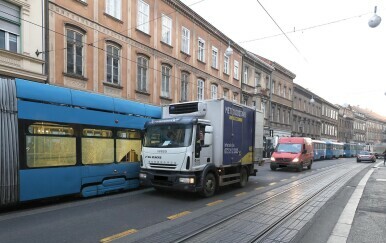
x=170, y=181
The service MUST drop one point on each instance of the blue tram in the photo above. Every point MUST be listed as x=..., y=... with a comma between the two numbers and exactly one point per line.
x=58, y=141
x=349, y=150
x=334, y=150
x=319, y=149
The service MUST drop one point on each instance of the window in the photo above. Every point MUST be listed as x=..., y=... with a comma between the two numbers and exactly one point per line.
x=235, y=97
x=185, y=47
x=214, y=57
x=112, y=67
x=114, y=8
x=284, y=91
x=165, y=82
x=263, y=109
x=10, y=27
x=201, y=50
x=245, y=81
x=74, y=52
x=200, y=89
x=236, y=70
x=225, y=94
x=97, y=146
x=49, y=144
x=273, y=87
x=289, y=93
x=226, y=64
x=142, y=73
x=213, y=91
x=245, y=100
x=128, y=146
x=143, y=17
x=257, y=79
x=166, y=29
x=184, y=86
x=279, y=90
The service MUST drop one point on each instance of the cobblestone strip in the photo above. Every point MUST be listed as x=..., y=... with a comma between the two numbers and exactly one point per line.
x=288, y=230
x=251, y=223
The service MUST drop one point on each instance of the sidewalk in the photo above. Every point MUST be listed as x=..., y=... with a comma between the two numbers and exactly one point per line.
x=364, y=217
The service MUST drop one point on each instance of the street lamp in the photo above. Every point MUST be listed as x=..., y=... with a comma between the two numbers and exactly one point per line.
x=375, y=20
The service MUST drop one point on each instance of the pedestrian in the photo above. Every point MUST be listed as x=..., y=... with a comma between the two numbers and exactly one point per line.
x=384, y=157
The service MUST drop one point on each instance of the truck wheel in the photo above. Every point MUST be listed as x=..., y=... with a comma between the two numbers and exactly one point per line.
x=209, y=186
x=309, y=166
x=273, y=167
x=243, y=177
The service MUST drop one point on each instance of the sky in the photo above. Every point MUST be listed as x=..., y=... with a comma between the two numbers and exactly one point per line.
x=334, y=53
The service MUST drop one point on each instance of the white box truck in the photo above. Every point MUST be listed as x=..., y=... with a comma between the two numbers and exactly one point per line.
x=200, y=146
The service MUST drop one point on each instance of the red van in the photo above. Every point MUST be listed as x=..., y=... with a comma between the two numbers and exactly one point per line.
x=293, y=152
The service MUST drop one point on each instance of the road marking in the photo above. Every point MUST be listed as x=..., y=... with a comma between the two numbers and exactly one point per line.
x=272, y=183
x=260, y=187
x=117, y=236
x=178, y=215
x=240, y=194
x=214, y=203
x=284, y=180
x=381, y=179
x=293, y=177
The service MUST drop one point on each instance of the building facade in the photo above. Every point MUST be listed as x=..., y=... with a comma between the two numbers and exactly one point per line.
x=346, y=124
x=306, y=119
x=22, y=46
x=155, y=52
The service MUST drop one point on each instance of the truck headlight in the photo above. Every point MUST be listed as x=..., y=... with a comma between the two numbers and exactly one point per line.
x=295, y=160
x=273, y=159
x=142, y=176
x=186, y=180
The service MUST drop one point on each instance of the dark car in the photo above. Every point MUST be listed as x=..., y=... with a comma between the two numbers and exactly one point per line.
x=366, y=156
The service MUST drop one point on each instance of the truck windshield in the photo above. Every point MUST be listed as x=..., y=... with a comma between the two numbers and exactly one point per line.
x=289, y=148
x=160, y=136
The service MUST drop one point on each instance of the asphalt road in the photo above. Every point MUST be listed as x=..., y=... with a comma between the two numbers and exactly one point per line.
x=90, y=220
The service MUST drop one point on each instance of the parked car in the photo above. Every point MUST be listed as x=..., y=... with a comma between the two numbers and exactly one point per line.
x=366, y=156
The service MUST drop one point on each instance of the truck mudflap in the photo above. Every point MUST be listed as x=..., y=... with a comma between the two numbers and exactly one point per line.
x=169, y=181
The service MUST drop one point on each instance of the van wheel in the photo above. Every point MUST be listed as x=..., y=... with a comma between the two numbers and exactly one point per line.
x=243, y=178
x=273, y=167
x=209, y=186
x=309, y=166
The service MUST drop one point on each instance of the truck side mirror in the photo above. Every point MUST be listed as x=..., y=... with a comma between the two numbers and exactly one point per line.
x=208, y=140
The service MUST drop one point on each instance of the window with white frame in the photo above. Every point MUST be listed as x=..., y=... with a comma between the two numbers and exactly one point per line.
x=185, y=47
x=284, y=91
x=226, y=64
x=214, y=57
x=200, y=89
x=142, y=73
x=201, y=50
x=236, y=69
x=112, y=64
x=213, y=91
x=143, y=17
x=165, y=82
x=273, y=87
x=263, y=109
x=9, y=27
x=245, y=80
x=75, y=62
x=184, y=86
x=166, y=29
x=114, y=8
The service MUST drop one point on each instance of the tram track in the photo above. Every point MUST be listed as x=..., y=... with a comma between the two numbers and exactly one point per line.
x=192, y=237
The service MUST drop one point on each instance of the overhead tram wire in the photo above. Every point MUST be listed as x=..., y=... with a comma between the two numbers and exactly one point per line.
x=307, y=28
x=282, y=31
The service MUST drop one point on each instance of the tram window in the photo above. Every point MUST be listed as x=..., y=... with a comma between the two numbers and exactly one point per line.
x=97, y=147
x=49, y=145
x=128, y=146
